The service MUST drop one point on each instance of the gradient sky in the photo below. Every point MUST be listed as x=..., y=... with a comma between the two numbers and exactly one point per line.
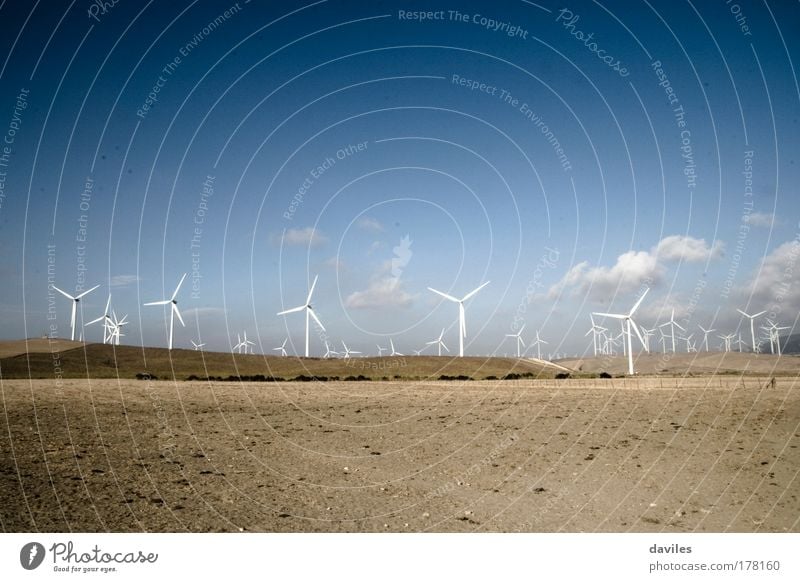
x=451, y=186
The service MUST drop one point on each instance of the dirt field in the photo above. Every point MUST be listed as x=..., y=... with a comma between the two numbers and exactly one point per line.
x=703, y=454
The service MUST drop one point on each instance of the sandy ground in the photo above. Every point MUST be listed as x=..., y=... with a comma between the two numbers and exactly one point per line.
x=651, y=455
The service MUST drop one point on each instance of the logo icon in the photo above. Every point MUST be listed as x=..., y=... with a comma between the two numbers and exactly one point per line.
x=31, y=555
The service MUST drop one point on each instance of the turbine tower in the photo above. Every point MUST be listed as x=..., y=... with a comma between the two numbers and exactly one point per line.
x=75, y=300
x=518, y=336
x=281, y=348
x=628, y=319
x=309, y=312
x=439, y=342
x=106, y=319
x=752, y=326
x=705, y=335
x=673, y=324
x=173, y=302
x=538, y=343
x=462, y=324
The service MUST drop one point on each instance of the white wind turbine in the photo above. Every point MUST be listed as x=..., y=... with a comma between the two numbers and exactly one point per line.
x=239, y=344
x=596, y=332
x=247, y=344
x=648, y=333
x=381, y=350
x=630, y=324
x=705, y=335
x=328, y=351
x=281, y=348
x=173, y=303
x=309, y=312
x=752, y=327
x=727, y=339
x=75, y=300
x=348, y=351
x=673, y=324
x=518, y=336
x=106, y=319
x=197, y=347
x=538, y=343
x=439, y=343
x=393, y=352
x=462, y=324
x=115, y=328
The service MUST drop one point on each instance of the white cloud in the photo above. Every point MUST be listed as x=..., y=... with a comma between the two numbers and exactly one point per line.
x=381, y=292
x=123, y=280
x=762, y=219
x=775, y=284
x=336, y=263
x=633, y=269
x=369, y=224
x=307, y=236
x=687, y=248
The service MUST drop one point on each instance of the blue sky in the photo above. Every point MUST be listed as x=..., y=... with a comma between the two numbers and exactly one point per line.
x=386, y=154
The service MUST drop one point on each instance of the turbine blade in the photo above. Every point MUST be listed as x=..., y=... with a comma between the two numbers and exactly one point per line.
x=164, y=302
x=86, y=292
x=638, y=303
x=474, y=291
x=95, y=320
x=314, y=316
x=758, y=314
x=292, y=310
x=64, y=293
x=178, y=313
x=445, y=295
x=678, y=325
x=742, y=312
x=178, y=288
x=311, y=291
x=612, y=315
x=108, y=303
x=638, y=333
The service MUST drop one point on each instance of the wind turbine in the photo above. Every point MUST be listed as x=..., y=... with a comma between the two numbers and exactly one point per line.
x=439, y=342
x=538, y=343
x=348, y=351
x=106, y=319
x=752, y=327
x=596, y=332
x=381, y=350
x=281, y=348
x=115, y=328
x=309, y=312
x=462, y=324
x=727, y=339
x=197, y=347
x=394, y=352
x=75, y=300
x=518, y=335
x=630, y=324
x=705, y=335
x=328, y=351
x=648, y=333
x=673, y=324
x=239, y=344
x=173, y=302
x=246, y=343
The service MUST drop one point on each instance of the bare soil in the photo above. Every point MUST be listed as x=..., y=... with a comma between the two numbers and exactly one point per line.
x=674, y=455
